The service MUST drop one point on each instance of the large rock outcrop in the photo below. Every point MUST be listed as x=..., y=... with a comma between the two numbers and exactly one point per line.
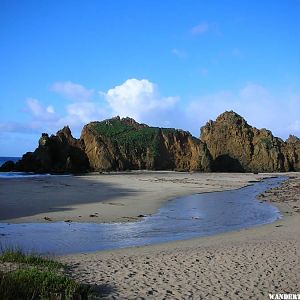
x=236, y=146
x=228, y=144
x=123, y=144
x=292, y=153
x=56, y=154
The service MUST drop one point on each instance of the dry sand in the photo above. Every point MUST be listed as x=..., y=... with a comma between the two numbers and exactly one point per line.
x=245, y=264
x=114, y=197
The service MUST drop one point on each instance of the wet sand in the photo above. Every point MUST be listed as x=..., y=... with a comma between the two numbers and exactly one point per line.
x=246, y=264
x=114, y=197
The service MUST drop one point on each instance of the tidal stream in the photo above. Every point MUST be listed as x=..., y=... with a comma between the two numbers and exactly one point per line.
x=178, y=219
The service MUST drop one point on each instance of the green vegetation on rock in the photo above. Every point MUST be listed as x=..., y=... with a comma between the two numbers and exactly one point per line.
x=132, y=137
x=227, y=144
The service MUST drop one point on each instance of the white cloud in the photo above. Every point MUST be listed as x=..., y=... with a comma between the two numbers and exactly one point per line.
x=200, y=28
x=83, y=112
x=44, y=118
x=39, y=111
x=254, y=91
x=72, y=91
x=82, y=109
x=135, y=98
x=255, y=103
x=140, y=100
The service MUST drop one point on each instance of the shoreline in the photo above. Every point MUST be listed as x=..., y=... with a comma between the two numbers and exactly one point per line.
x=284, y=210
x=242, y=264
x=245, y=264
x=108, y=198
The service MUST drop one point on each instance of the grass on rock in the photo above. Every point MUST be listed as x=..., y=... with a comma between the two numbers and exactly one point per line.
x=130, y=136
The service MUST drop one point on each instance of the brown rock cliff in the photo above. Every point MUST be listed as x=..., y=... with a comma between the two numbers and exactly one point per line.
x=236, y=146
x=228, y=144
x=121, y=144
x=56, y=154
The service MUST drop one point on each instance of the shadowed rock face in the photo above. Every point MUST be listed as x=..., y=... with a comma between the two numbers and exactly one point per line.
x=292, y=153
x=57, y=154
x=122, y=144
x=236, y=146
x=228, y=144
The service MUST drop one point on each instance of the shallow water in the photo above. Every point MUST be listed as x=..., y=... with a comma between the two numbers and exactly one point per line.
x=13, y=175
x=182, y=218
x=10, y=175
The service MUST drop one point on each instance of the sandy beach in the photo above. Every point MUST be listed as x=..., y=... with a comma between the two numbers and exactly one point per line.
x=111, y=197
x=245, y=264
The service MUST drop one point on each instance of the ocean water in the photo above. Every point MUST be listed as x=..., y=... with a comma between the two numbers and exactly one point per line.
x=3, y=159
x=182, y=218
x=12, y=175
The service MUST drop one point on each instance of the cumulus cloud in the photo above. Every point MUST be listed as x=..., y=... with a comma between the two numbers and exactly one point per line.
x=255, y=103
x=140, y=100
x=43, y=118
x=72, y=91
x=39, y=111
x=81, y=113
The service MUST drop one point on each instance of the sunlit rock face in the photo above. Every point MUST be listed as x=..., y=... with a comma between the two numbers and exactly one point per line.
x=124, y=144
x=238, y=147
x=228, y=144
x=292, y=153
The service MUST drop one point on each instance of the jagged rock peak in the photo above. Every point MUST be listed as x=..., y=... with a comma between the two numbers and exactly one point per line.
x=125, y=121
x=43, y=139
x=293, y=139
x=66, y=131
x=133, y=123
x=226, y=144
x=232, y=118
x=236, y=146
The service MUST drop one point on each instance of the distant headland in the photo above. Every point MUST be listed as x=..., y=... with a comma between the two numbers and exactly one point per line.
x=228, y=144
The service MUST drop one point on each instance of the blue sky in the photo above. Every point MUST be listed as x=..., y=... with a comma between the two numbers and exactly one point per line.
x=168, y=63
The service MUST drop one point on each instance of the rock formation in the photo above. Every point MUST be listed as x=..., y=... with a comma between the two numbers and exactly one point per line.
x=228, y=144
x=123, y=144
x=56, y=154
x=7, y=166
x=292, y=153
x=236, y=146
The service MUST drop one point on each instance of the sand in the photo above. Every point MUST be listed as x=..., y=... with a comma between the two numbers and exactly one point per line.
x=114, y=197
x=245, y=264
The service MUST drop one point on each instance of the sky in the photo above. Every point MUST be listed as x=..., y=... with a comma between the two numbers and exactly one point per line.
x=170, y=63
